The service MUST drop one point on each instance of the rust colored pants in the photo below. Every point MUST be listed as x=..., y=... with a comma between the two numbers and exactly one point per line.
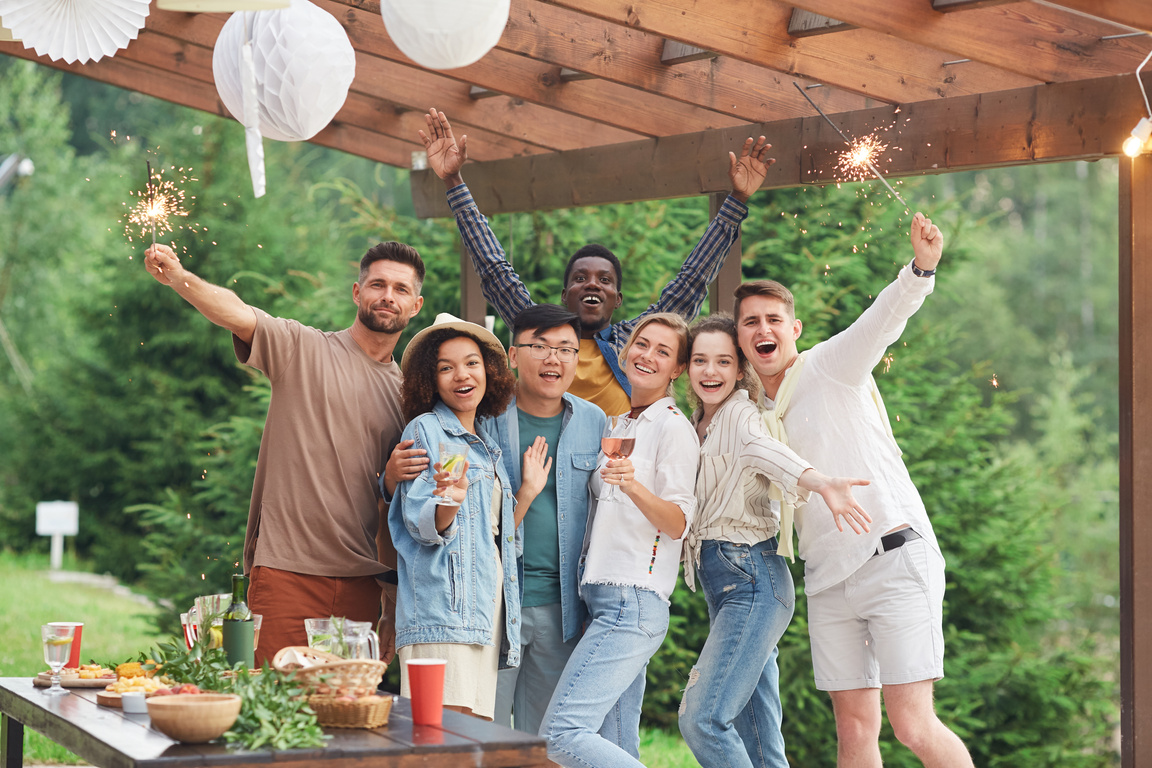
x=285, y=599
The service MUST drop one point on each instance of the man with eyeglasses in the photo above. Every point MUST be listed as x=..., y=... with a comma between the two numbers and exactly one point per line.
x=592, y=277
x=549, y=440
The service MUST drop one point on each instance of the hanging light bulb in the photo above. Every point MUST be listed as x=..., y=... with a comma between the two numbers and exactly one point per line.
x=1134, y=144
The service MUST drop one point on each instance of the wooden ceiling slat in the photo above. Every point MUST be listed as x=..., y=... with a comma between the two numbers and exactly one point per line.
x=411, y=87
x=1049, y=44
x=947, y=6
x=1133, y=13
x=1059, y=121
x=629, y=109
x=731, y=88
x=807, y=24
x=180, y=89
x=630, y=56
x=858, y=60
x=360, y=110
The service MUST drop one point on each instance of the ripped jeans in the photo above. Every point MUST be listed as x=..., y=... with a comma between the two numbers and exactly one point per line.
x=730, y=715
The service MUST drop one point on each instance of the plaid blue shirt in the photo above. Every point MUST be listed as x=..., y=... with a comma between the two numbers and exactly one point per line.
x=683, y=295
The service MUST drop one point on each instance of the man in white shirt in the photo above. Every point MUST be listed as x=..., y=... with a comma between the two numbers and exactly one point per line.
x=874, y=600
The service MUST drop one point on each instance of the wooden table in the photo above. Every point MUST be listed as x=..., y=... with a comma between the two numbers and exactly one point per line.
x=111, y=739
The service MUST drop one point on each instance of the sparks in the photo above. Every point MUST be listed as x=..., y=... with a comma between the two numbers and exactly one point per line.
x=857, y=161
x=887, y=360
x=994, y=382
x=159, y=201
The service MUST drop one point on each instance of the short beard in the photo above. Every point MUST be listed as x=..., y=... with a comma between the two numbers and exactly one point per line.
x=381, y=325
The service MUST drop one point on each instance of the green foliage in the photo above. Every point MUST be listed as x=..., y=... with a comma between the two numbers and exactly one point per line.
x=274, y=713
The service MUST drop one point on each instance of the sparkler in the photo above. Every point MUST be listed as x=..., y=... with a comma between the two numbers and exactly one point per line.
x=860, y=154
x=160, y=200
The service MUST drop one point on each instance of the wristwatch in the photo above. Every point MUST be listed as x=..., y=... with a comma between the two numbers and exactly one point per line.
x=920, y=272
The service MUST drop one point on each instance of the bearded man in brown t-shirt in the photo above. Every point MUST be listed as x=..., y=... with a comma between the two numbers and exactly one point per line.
x=316, y=543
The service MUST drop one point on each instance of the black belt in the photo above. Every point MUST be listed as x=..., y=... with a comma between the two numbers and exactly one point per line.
x=896, y=539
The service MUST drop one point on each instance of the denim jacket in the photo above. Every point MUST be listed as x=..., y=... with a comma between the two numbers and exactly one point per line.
x=445, y=592
x=580, y=433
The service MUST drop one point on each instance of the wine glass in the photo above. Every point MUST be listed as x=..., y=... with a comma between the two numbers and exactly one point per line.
x=617, y=444
x=57, y=640
x=452, y=459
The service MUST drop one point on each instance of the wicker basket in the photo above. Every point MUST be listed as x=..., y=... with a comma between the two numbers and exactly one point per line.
x=368, y=712
x=333, y=677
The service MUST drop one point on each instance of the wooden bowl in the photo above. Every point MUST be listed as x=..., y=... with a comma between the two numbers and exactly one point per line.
x=194, y=718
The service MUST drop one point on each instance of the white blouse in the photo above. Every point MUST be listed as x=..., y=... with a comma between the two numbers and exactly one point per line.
x=622, y=546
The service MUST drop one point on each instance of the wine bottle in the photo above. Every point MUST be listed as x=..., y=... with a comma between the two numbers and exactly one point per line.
x=239, y=630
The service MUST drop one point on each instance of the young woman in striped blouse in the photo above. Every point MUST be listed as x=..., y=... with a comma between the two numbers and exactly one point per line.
x=730, y=714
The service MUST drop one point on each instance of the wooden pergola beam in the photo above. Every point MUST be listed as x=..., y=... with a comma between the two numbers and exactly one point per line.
x=1060, y=45
x=946, y=6
x=1132, y=13
x=1060, y=121
x=1135, y=303
x=865, y=62
x=808, y=24
x=541, y=82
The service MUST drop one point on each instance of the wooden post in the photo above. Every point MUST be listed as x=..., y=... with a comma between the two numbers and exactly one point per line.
x=1135, y=458
x=473, y=307
x=11, y=742
x=720, y=292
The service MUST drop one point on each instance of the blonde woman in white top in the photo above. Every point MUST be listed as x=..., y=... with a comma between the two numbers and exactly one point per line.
x=730, y=714
x=632, y=558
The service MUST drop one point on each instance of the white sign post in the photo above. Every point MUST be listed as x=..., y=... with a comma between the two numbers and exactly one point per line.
x=57, y=519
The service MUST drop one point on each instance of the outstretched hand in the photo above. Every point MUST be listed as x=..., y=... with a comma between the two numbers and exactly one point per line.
x=445, y=156
x=837, y=494
x=747, y=172
x=927, y=242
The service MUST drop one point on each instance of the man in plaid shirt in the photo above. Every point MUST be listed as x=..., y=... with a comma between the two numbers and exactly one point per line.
x=592, y=279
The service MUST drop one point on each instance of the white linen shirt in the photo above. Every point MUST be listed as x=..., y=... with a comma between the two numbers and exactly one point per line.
x=834, y=422
x=739, y=461
x=623, y=547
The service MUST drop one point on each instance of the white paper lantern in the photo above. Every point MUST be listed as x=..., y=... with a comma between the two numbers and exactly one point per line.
x=220, y=6
x=304, y=66
x=74, y=30
x=445, y=34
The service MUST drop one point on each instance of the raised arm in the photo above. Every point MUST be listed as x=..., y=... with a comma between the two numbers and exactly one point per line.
x=502, y=287
x=850, y=355
x=686, y=292
x=220, y=305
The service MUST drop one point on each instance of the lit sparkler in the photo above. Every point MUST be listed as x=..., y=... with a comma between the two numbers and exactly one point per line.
x=860, y=154
x=160, y=200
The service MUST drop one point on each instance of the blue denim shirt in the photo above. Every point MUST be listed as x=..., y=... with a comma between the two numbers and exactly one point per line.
x=580, y=433
x=445, y=592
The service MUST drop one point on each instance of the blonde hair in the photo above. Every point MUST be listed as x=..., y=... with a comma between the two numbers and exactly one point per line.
x=668, y=320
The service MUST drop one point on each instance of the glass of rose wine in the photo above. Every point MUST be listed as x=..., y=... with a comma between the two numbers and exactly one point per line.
x=617, y=444
x=57, y=639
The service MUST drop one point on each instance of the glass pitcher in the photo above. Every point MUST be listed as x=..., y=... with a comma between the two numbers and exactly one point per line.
x=346, y=638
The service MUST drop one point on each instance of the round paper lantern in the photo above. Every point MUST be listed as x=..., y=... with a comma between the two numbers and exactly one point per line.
x=303, y=62
x=445, y=34
x=74, y=30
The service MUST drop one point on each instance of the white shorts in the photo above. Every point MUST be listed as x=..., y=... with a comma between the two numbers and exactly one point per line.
x=883, y=624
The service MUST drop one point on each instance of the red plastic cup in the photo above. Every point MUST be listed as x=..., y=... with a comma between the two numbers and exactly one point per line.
x=426, y=686
x=74, y=658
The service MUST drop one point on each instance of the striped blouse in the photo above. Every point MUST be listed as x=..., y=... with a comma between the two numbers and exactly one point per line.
x=738, y=463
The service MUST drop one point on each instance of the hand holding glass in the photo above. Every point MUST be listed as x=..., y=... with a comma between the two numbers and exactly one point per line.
x=618, y=444
x=453, y=459
x=57, y=640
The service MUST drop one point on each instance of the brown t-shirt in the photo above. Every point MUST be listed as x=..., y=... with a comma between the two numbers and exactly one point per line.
x=333, y=420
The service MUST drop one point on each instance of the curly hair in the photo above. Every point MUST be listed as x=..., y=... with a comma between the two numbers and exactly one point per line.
x=419, y=393
x=722, y=322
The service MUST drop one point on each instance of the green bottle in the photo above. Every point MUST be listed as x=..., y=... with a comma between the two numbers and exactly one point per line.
x=239, y=630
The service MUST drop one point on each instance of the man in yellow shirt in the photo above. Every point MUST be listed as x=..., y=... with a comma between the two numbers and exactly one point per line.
x=592, y=278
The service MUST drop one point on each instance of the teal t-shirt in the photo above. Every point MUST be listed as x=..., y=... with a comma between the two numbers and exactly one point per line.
x=541, y=532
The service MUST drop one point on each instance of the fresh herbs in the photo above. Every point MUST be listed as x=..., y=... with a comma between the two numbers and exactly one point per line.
x=274, y=713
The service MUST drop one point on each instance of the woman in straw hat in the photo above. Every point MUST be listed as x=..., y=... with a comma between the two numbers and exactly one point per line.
x=455, y=598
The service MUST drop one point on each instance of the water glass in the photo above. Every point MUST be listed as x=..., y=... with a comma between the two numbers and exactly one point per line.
x=57, y=639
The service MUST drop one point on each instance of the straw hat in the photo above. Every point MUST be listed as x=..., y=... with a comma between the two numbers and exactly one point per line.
x=446, y=321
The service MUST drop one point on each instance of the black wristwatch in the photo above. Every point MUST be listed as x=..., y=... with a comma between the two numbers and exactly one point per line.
x=920, y=272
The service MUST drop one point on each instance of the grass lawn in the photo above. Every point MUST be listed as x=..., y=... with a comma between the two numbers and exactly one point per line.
x=116, y=629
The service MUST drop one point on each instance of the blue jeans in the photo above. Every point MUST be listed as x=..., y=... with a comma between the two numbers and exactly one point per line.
x=593, y=720
x=730, y=715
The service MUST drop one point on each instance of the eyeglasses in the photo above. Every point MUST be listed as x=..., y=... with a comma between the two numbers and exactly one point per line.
x=542, y=351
